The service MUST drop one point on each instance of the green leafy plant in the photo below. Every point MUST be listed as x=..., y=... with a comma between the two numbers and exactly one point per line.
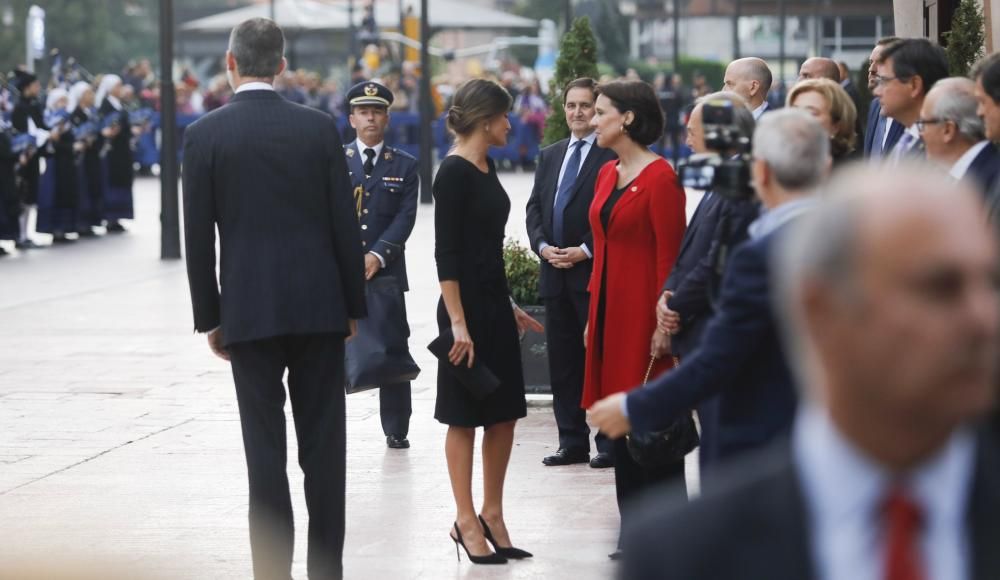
x=577, y=58
x=966, y=37
x=521, y=266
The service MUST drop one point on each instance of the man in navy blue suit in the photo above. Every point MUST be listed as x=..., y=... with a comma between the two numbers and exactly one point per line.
x=740, y=358
x=955, y=135
x=719, y=223
x=882, y=132
x=385, y=184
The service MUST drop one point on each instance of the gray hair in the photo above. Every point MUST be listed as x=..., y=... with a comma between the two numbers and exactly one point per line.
x=742, y=115
x=956, y=102
x=795, y=146
x=258, y=45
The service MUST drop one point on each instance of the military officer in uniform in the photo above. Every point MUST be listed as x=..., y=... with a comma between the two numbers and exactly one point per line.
x=385, y=195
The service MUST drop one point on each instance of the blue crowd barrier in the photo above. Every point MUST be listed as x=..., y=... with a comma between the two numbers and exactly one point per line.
x=147, y=153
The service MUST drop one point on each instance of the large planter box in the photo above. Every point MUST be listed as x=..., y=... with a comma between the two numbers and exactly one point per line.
x=535, y=356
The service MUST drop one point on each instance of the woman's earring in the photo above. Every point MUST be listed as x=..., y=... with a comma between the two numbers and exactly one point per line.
x=487, y=127
x=622, y=128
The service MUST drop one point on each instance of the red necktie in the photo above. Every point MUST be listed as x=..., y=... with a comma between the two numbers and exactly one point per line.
x=903, y=520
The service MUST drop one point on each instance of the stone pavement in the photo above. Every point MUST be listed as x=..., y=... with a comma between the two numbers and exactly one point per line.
x=120, y=441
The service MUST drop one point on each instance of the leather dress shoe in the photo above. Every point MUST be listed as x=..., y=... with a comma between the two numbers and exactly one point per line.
x=602, y=461
x=397, y=442
x=616, y=555
x=565, y=456
x=26, y=245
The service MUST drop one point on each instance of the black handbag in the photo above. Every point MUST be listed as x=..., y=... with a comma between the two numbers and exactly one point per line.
x=379, y=355
x=659, y=448
x=478, y=380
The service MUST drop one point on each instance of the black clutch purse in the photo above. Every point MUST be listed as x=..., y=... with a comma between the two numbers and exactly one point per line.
x=478, y=380
x=659, y=448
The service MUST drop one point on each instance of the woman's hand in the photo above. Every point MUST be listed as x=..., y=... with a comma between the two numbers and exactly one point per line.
x=525, y=322
x=463, y=345
x=659, y=346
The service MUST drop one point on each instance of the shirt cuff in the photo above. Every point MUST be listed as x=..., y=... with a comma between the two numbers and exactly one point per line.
x=541, y=248
x=586, y=250
x=381, y=260
x=625, y=406
x=213, y=330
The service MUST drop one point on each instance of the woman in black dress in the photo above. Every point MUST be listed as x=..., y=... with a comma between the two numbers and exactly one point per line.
x=91, y=187
x=471, y=209
x=118, y=133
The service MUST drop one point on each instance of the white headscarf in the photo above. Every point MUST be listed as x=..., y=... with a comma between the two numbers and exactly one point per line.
x=76, y=93
x=54, y=96
x=107, y=83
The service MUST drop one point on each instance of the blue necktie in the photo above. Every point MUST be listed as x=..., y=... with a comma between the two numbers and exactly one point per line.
x=879, y=138
x=562, y=194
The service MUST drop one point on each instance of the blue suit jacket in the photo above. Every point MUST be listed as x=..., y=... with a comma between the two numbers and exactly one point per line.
x=895, y=132
x=388, y=205
x=985, y=169
x=740, y=358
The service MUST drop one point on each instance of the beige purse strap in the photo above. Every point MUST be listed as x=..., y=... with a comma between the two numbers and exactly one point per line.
x=649, y=369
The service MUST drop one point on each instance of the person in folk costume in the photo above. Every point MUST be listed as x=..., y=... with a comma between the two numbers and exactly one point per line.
x=10, y=203
x=91, y=185
x=27, y=118
x=118, y=161
x=58, y=198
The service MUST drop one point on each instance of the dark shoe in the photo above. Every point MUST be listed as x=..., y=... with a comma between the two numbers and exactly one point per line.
x=488, y=559
x=511, y=552
x=87, y=233
x=62, y=239
x=602, y=461
x=616, y=555
x=116, y=228
x=567, y=457
x=26, y=245
x=3, y=252
x=397, y=442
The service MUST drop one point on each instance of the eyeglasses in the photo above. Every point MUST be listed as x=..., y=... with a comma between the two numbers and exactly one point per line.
x=922, y=123
x=882, y=81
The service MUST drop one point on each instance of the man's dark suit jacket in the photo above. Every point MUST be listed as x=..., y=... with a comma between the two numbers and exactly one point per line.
x=740, y=358
x=291, y=249
x=852, y=91
x=717, y=221
x=895, y=132
x=755, y=525
x=985, y=169
x=576, y=223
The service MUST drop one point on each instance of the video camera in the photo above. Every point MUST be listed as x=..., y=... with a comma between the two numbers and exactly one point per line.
x=726, y=170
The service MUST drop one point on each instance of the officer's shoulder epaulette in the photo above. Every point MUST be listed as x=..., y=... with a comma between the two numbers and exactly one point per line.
x=402, y=154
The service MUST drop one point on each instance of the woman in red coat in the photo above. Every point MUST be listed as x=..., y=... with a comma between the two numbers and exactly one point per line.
x=638, y=221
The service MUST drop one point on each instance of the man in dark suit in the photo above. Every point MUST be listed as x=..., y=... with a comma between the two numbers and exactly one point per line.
x=740, y=357
x=955, y=135
x=559, y=230
x=717, y=225
x=385, y=185
x=987, y=76
x=907, y=69
x=888, y=475
x=271, y=176
x=881, y=133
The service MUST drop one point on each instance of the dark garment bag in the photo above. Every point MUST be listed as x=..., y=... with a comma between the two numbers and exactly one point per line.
x=379, y=355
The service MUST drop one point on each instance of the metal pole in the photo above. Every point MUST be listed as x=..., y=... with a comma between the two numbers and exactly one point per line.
x=677, y=37
x=273, y=14
x=170, y=232
x=351, y=32
x=569, y=15
x=736, y=29
x=402, y=20
x=781, y=44
x=426, y=107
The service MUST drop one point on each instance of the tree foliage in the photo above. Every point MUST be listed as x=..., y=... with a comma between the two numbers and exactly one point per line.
x=966, y=38
x=577, y=58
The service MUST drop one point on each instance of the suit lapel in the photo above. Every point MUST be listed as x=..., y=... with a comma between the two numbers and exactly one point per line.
x=354, y=164
x=591, y=163
x=637, y=186
x=984, y=509
x=704, y=208
x=382, y=166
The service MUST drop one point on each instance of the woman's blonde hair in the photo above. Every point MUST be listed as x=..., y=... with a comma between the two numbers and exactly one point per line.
x=842, y=112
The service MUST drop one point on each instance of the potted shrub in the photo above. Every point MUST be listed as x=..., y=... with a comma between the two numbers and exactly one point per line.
x=521, y=265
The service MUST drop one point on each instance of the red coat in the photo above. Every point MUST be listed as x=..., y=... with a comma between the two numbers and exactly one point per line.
x=639, y=249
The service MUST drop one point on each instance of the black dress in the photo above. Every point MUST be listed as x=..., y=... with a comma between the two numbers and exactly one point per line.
x=470, y=214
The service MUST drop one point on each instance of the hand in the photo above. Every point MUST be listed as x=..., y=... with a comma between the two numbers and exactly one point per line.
x=54, y=136
x=215, y=343
x=667, y=321
x=607, y=416
x=372, y=265
x=568, y=257
x=525, y=322
x=549, y=253
x=659, y=345
x=352, y=326
x=463, y=345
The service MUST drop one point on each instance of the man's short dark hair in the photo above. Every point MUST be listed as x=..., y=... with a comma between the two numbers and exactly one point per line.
x=987, y=71
x=257, y=45
x=580, y=83
x=917, y=57
x=886, y=40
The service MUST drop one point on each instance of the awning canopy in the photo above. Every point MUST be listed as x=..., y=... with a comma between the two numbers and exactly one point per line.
x=304, y=15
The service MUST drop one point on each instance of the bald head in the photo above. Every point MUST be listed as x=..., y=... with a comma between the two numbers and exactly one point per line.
x=889, y=296
x=820, y=68
x=749, y=78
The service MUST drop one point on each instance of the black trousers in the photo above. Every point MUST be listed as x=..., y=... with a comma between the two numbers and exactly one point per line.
x=395, y=408
x=565, y=319
x=632, y=480
x=315, y=365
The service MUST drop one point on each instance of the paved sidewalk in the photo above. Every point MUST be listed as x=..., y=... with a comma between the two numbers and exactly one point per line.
x=119, y=434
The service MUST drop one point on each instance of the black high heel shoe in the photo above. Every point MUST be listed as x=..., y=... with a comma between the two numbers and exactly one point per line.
x=512, y=552
x=489, y=559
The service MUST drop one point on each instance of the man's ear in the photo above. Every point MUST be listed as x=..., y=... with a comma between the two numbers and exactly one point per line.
x=282, y=66
x=230, y=61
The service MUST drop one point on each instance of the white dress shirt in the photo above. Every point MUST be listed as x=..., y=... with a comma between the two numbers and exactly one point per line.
x=588, y=144
x=844, y=491
x=254, y=86
x=759, y=111
x=361, y=149
x=961, y=167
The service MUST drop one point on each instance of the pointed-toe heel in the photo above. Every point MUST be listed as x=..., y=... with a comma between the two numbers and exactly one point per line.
x=488, y=559
x=512, y=552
